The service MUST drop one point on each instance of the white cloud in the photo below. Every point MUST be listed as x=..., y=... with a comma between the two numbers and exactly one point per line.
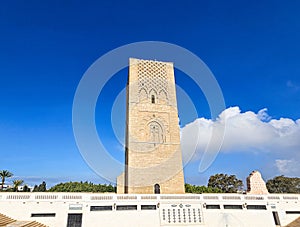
x=282, y=165
x=245, y=132
x=263, y=115
x=292, y=85
x=287, y=166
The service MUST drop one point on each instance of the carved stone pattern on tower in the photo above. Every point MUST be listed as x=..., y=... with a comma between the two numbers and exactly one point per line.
x=152, y=131
x=156, y=134
x=152, y=77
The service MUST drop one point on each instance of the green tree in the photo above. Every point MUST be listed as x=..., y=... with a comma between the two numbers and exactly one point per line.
x=82, y=187
x=226, y=183
x=35, y=188
x=17, y=183
x=282, y=184
x=200, y=189
x=26, y=188
x=41, y=188
x=4, y=174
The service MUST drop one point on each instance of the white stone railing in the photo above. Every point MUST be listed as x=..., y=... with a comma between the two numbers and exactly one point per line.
x=63, y=196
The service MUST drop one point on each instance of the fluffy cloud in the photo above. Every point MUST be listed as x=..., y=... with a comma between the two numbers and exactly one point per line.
x=292, y=85
x=234, y=131
x=288, y=166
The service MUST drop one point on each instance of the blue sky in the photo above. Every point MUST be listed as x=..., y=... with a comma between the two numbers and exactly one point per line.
x=252, y=48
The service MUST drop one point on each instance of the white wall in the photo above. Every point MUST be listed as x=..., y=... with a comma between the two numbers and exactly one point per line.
x=20, y=206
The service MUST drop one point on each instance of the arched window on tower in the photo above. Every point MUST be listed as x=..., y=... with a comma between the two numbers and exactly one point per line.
x=156, y=134
x=156, y=189
x=152, y=99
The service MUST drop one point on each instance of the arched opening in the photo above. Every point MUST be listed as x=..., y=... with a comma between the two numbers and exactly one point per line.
x=152, y=99
x=143, y=94
x=156, y=189
x=156, y=134
x=163, y=96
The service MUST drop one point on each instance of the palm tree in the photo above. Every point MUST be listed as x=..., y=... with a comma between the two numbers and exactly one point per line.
x=4, y=174
x=17, y=183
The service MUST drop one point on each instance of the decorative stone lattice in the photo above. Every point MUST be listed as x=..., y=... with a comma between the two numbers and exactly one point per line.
x=152, y=76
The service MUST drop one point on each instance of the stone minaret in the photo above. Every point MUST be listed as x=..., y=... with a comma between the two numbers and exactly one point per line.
x=153, y=154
